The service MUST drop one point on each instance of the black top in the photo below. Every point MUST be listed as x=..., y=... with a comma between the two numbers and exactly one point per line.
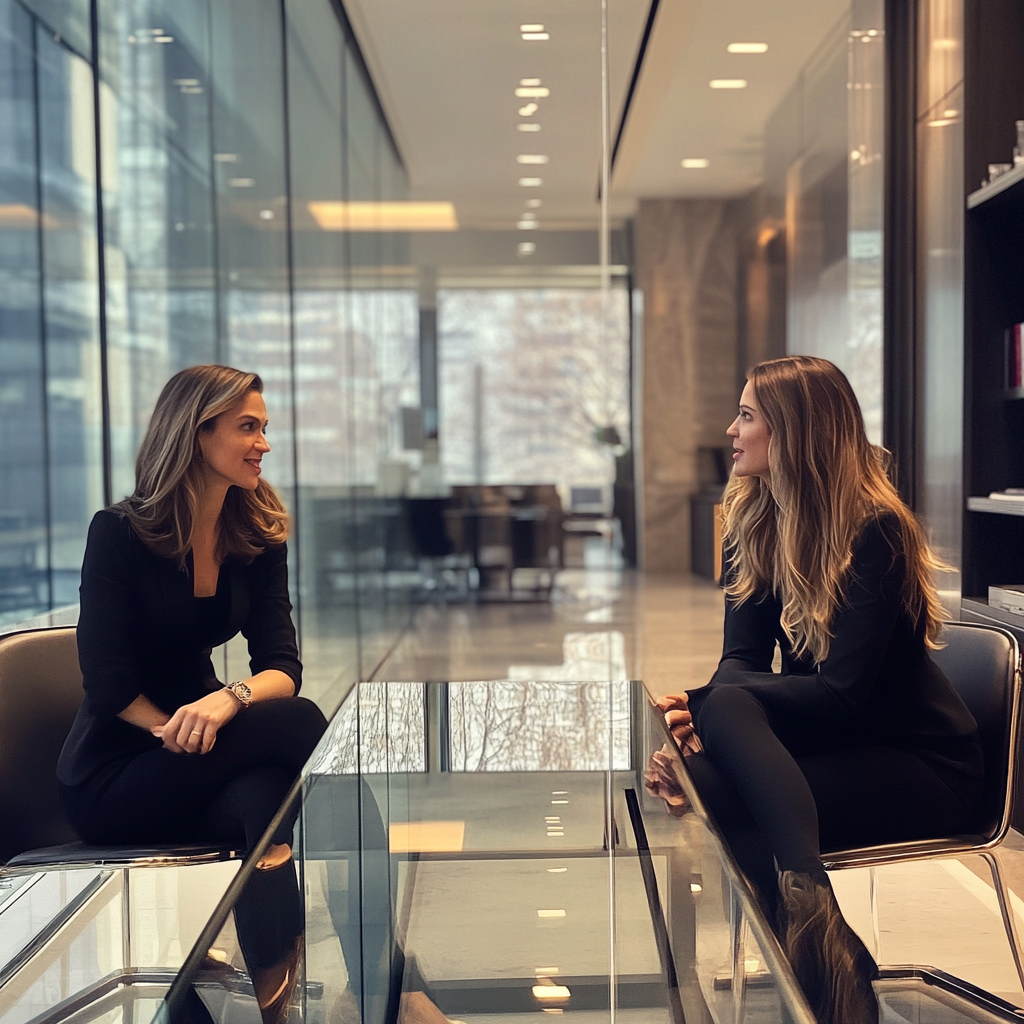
x=877, y=685
x=141, y=630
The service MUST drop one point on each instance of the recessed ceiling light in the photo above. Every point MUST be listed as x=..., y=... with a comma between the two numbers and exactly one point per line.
x=534, y=204
x=531, y=182
x=528, y=92
x=241, y=182
x=266, y=214
x=944, y=44
x=529, y=81
x=225, y=158
x=695, y=163
x=747, y=48
x=531, y=158
x=526, y=248
x=529, y=110
x=526, y=225
x=950, y=113
x=366, y=215
x=531, y=28
x=530, y=127
x=728, y=83
x=163, y=39
x=535, y=37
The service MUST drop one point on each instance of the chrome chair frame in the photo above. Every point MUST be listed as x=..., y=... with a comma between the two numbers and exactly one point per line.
x=78, y=856
x=984, y=844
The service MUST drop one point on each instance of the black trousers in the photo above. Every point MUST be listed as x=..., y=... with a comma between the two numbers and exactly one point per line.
x=779, y=799
x=229, y=795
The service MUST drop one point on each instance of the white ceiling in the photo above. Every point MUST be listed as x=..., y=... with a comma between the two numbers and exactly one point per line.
x=446, y=73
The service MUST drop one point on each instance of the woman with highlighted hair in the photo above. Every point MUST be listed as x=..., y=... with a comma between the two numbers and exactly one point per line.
x=859, y=739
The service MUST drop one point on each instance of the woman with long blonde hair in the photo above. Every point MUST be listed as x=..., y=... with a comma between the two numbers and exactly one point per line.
x=860, y=739
x=161, y=750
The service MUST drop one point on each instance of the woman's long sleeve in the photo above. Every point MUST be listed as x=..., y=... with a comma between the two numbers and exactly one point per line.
x=268, y=628
x=839, y=687
x=107, y=623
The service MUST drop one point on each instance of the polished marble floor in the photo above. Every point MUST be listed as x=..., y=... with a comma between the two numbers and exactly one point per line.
x=600, y=624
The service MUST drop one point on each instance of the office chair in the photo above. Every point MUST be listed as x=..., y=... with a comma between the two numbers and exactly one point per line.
x=983, y=664
x=40, y=692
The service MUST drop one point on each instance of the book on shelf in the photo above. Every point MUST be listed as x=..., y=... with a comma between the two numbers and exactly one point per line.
x=1009, y=597
x=1010, y=494
x=1014, y=367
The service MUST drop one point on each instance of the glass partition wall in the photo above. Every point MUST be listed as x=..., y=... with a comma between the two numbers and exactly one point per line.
x=162, y=168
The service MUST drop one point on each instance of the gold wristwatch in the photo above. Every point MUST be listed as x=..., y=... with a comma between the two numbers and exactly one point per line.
x=241, y=693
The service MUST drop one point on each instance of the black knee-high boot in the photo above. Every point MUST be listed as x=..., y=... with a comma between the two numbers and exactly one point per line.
x=833, y=966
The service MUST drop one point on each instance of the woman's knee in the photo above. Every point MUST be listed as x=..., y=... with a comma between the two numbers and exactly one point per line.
x=725, y=713
x=286, y=729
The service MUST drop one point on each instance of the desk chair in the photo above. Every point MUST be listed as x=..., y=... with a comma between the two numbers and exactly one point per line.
x=40, y=692
x=983, y=664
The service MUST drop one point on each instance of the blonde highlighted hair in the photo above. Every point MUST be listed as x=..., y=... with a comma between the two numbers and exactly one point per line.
x=794, y=537
x=169, y=472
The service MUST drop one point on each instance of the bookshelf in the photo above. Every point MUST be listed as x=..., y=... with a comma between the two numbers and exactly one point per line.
x=993, y=530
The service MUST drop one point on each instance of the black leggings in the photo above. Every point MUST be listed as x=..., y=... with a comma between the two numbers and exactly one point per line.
x=778, y=804
x=229, y=795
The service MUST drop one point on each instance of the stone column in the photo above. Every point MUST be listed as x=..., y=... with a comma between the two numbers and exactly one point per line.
x=686, y=258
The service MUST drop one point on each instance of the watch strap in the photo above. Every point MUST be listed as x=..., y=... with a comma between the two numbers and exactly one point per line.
x=241, y=692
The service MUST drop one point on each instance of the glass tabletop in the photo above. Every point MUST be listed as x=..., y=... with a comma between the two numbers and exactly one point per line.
x=510, y=864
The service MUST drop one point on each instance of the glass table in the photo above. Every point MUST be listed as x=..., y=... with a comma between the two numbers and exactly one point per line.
x=487, y=851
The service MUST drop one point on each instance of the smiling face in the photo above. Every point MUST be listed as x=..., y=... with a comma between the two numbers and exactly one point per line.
x=232, y=450
x=750, y=437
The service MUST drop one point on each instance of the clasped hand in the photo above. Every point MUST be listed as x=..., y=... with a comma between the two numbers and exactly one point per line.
x=192, y=729
x=675, y=707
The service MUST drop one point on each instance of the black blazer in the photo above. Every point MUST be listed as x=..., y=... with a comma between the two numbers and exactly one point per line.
x=138, y=634
x=878, y=684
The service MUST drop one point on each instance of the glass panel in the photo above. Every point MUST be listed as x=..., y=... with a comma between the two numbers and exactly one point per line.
x=824, y=179
x=67, y=168
x=940, y=198
x=330, y=648
x=158, y=208
x=24, y=563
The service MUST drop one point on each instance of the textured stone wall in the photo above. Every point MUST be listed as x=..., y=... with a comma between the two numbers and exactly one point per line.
x=686, y=258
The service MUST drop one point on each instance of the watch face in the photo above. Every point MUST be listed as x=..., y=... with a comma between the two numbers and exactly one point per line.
x=242, y=690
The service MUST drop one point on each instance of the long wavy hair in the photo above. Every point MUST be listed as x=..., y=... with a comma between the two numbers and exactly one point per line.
x=169, y=472
x=794, y=537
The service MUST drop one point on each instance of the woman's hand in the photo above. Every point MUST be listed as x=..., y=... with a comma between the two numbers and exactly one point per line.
x=192, y=729
x=680, y=722
x=660, y=781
